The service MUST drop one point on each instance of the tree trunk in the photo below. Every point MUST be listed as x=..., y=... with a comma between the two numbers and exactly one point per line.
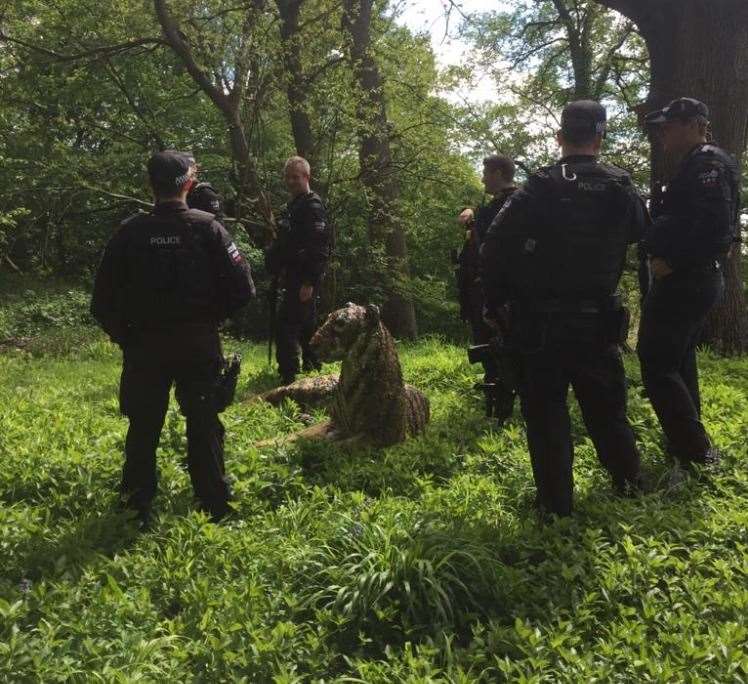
x=228, y=103
x=377, y=174
x=297, y=93
x=580, y=48
x=700, y=49
x=296, y=89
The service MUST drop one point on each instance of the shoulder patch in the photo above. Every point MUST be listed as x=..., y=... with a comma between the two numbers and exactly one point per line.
x=234, y=254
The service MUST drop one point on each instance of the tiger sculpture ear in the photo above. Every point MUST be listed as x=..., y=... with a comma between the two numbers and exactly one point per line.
x=373, y=317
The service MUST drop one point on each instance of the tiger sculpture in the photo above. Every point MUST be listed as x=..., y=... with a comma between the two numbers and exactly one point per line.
x=369, y=400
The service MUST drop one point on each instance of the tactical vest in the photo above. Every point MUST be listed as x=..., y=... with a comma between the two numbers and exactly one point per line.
x=577, y=249
x=170, y=279
x=290, y=241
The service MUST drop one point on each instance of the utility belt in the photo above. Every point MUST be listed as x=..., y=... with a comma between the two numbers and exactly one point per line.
x=187, y=328
x=201, y=331
x=711, y=266
x=575, y=305
x=536, y=320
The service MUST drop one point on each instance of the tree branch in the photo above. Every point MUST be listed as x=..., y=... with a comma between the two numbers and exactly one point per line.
x=641, y=12
x=173, y=36
x=311, y=76
x=533, y=51
x=10, y=263
x=540, y=25
x=103, y=50
x=119, y=82
x=607, y=63
x=134, y=200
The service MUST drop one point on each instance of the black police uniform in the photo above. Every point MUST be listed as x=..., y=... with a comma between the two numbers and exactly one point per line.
x=693, y=226
x=556, y=252
x=298, y=257
x=166, y=281
x=469, y=286
x=204, y=197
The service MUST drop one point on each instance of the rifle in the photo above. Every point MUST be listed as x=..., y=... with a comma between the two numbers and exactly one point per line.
x=273, y=306
x=501, y=392
x=263, y=206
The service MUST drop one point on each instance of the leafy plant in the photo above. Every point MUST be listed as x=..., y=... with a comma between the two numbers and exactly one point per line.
x=421, y=562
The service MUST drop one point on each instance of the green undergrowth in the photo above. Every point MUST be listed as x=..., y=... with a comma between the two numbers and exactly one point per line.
x=418, y=563
x=44, y=317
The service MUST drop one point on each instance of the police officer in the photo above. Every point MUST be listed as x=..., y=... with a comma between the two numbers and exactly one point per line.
x=297, y=259
x=498, y=181
x=166, y=281
x=205, y=198
x=694, y=225
x=556, y=252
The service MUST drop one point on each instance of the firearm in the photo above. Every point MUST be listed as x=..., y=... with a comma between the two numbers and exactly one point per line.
x=227, y=379
x=500, y=393
x=273, y=312
x=270, y=238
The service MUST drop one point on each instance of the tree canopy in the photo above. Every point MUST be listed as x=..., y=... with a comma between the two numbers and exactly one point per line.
x=89, y=90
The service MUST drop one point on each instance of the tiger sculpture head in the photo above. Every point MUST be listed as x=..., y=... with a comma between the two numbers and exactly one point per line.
x=342, y=328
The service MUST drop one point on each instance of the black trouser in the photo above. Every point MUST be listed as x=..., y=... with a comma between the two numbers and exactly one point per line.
x=297, y=323
x=673, y=314
x=595, y=372
x=152, y=363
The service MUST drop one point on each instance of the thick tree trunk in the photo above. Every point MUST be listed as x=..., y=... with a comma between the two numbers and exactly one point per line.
x=377, y=175
x=699, y=49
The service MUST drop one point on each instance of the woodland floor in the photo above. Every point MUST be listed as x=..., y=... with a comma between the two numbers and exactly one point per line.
x=418, y=563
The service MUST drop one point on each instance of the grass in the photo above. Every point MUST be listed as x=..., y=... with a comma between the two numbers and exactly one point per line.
x=418, y=563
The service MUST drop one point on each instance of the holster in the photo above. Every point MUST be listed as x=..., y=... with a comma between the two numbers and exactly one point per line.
x=226, y=384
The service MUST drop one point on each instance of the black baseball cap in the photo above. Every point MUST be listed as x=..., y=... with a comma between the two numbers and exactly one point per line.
x=171, y=167
x=584, y=116
x=683, y=108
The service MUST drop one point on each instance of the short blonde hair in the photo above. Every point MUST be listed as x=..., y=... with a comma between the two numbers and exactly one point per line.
x=298, y=161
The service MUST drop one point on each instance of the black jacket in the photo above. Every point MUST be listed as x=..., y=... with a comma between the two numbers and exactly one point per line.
x=170, y=269
x=302, y=247
x=468, y=261
x=696, y=219
x=563, y=236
